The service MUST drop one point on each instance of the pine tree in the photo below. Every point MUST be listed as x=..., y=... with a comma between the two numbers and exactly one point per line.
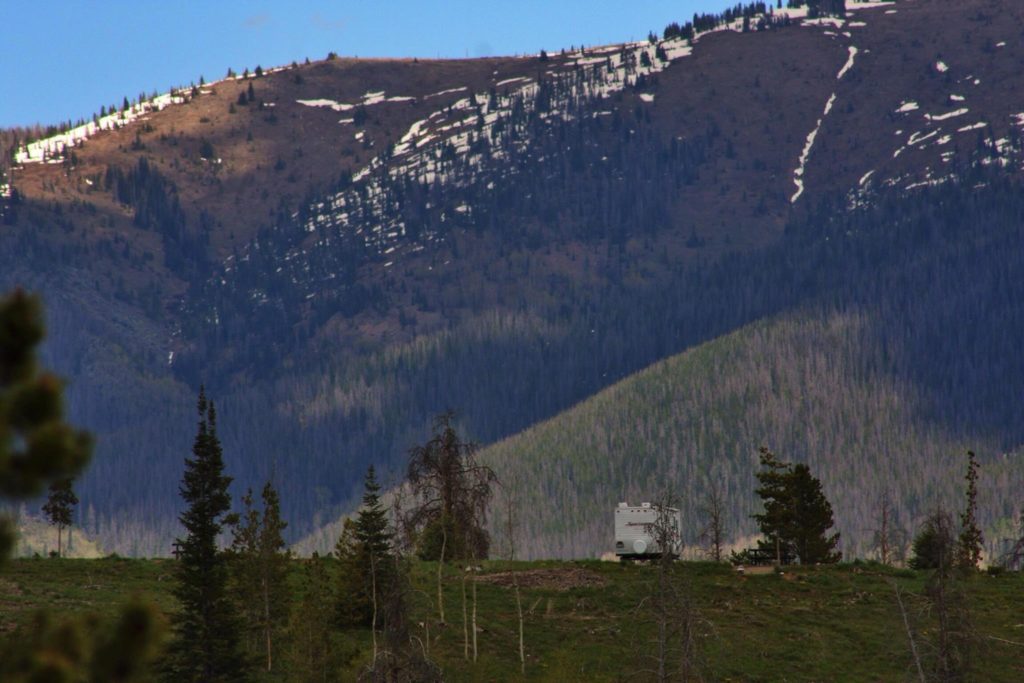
x=260, y=573
x=37, y=447
x=933, y=546
x=796, y=516
x=351, y=606
x=206, y=644
x=372, y=528
x=59, y=508
x=273, y=563
x=811, y=519
x=244, y=583
x=366, y=560
x=971, y=540
x=775, y=520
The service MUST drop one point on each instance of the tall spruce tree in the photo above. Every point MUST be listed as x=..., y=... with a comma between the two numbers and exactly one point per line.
x=206, y=644
x=797, y=516
x=59, y=509
x=774, y=493
x=971, y=540
x=811, y=519
x=366, y=559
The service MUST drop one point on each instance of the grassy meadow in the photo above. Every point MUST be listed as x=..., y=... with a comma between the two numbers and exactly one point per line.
x=590, y=620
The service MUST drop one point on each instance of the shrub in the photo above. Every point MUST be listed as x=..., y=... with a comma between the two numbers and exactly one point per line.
x=934, y=545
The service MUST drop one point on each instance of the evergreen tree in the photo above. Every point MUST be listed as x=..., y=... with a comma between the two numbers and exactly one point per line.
x=260, y=574
x=365, y=556
x=206, y=629
x=933, y=546
x=36, y=446
x=811, y=519
x=63, y=648
x=244, y=583
x=352, y=605
x=372, y=528
x=59, y=508
x=206, y=149
x=796, y=516
x=774, y=493
x=971, y=540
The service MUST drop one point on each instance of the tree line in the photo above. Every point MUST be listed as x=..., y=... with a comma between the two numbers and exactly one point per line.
x=237, y=619
x=236, y=614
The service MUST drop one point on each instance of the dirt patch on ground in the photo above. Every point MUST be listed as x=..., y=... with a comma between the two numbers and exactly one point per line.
x=9, y=588
x=561, y=579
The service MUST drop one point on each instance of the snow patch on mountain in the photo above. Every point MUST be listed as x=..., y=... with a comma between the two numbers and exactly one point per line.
x=920, y=136
x=51, y=149
x=450, y=91
x=369, y=99
x=973, y=126
x=805, y=154
x=948, y=115
x=849, y=62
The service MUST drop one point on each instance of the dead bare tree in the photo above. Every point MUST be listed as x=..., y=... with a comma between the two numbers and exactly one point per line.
x=408, y=535
x=519, y=613
x=675, y=655
x=511, y=504
x=944, y=650
x=400, y=657
x=716, y=519
x=889, y=540
x=440, y=573
x=1013, y=558
x=910, y=633
x=474, y=615
x=954, y=638
x=451, y=493
x=465, y=618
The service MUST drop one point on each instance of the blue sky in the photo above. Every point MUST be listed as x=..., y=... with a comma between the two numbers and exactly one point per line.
x=61, y=60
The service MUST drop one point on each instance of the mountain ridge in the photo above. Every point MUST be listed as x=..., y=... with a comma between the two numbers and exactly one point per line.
x=509, y=303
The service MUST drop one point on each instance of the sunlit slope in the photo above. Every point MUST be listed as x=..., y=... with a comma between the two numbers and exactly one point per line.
x=807, y=385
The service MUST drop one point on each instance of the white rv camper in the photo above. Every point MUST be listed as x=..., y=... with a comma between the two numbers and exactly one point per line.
x=635, y=533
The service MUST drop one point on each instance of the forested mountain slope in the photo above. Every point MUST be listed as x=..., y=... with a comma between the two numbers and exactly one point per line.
x=344, y=248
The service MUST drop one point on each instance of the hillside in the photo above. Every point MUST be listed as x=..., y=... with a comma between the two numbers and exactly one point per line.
x=808, y=387
x=341, y=249
x=36, y=537
x=582, y=622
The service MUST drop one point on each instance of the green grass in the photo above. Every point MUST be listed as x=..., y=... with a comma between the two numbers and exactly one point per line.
x=809, y=624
